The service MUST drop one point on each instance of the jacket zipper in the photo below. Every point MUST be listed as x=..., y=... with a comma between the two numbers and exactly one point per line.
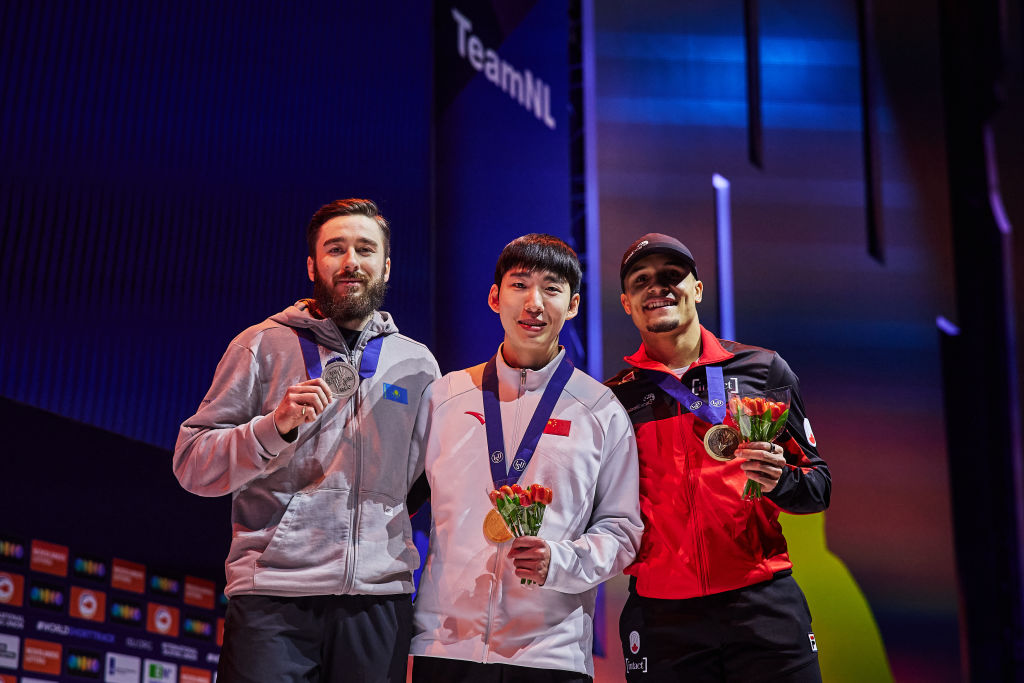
x=350, y=564
x=498, y=564
x=498, y=559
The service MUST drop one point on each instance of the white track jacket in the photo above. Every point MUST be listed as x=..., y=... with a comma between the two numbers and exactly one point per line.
x=470, y=604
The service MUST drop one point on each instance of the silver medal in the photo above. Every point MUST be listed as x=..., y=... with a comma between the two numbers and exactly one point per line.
x=342, y=378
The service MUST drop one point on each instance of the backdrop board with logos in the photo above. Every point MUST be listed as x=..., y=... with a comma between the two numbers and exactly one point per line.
x=71, y=615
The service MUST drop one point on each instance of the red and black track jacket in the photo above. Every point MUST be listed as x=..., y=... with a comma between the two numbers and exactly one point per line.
x=700, y=536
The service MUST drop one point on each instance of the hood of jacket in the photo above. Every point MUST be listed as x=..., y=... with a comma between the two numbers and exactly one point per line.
x=325, y=332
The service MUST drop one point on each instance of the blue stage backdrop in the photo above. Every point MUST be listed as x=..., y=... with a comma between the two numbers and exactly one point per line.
x=159, y=163
x=502, y=156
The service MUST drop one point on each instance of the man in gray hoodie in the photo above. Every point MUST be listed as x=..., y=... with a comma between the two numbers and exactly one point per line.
x=307, y=425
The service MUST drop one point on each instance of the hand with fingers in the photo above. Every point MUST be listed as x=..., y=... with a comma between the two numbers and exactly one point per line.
x=764, y=462
x=302, y=403
x=530, y=557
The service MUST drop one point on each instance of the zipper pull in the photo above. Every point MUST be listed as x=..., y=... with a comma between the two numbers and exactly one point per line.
x=522, y=381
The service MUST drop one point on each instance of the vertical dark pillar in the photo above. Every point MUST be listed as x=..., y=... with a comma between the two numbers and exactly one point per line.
x=983, y=409
x=752, y=32
x=869, y=133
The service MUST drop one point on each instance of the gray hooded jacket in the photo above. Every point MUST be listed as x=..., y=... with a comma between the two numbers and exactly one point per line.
x=324, y=514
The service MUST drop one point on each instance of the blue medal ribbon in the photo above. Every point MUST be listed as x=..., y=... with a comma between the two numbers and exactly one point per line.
x=492, y=421
x=712, y=412
x=311, y=355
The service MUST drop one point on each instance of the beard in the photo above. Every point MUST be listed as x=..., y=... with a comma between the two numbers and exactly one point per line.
x=663, y=326
x=349, y=307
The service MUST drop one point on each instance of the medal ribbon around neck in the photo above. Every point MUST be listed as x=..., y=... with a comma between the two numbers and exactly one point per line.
x=492, y=420
x=311, y=355
x=712, y=412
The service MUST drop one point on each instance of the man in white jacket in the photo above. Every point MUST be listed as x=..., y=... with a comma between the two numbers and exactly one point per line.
x=526, y=416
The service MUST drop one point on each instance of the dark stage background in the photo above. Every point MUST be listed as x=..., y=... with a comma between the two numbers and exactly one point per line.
x=159, y=162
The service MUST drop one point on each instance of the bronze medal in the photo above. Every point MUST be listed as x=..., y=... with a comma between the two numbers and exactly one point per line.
x=495, y=530
x=721, y=441
x=342, y=378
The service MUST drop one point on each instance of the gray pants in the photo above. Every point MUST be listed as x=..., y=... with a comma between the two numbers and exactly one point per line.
x=360, y=638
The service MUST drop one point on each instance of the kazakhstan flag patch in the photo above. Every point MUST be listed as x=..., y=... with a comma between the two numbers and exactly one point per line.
x=393, y=392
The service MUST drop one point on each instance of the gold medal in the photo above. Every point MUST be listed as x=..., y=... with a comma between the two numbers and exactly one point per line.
x=495, y=530
x=721, y=441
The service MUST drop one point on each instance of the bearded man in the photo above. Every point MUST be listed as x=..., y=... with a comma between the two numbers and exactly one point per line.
x=307, y=425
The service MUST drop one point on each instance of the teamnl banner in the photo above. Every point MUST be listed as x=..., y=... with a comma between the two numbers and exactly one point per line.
x=502, y=164
x=69, y=615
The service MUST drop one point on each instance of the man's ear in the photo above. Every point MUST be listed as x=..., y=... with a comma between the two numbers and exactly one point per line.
x=387, y=268
x=574, y=306
x=625, y=304
x=492, y=298
x=311, y=268
x=698, y=291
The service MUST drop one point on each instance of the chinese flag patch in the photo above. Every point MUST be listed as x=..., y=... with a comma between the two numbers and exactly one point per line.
x=558, y=427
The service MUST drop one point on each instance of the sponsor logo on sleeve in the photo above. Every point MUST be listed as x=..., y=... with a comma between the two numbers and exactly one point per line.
x=809, y=433
x=814, y=644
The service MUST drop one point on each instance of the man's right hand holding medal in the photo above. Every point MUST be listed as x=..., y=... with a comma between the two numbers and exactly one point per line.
x=302, y=403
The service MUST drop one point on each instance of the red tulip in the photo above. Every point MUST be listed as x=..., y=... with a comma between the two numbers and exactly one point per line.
x=524, y=499
x=494, y=497
x=517, y=489
x=506, y=491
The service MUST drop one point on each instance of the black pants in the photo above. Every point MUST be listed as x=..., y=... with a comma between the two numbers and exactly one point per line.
x=755, y=634
x=363, y=638
x=440, y=670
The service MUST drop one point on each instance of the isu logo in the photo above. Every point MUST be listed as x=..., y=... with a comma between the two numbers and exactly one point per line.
x=634, y=642
x=163, y=620
x=496, y=456
x=87, y=605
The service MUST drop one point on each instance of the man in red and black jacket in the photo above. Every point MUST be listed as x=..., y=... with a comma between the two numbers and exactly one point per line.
x=712, y=597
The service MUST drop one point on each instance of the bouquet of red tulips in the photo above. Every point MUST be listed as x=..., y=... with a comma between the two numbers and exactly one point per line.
x=522, y=509
x=759, y=418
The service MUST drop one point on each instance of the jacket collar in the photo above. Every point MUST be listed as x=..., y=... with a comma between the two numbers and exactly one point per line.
x=535, y=379
x=711, y=352
x=326, y=333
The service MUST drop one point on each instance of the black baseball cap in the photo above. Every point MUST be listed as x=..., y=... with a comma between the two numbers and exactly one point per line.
x=654, y=243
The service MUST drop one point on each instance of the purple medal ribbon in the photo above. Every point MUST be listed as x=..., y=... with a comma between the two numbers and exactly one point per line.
x=492, y=420
x=712, y=412
x=311, y=356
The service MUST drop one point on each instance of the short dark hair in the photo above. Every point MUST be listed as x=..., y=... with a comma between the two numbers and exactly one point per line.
x=538, y=251
x=347, y=207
